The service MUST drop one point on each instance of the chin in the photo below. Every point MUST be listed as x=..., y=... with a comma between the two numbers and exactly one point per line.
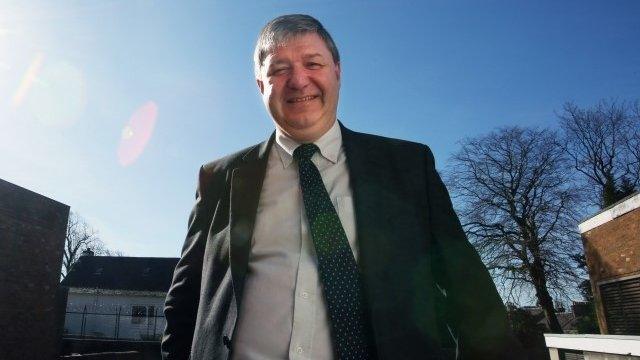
x=302, y=123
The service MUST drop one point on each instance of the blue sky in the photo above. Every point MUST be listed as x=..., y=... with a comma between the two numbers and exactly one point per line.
x=73, y=74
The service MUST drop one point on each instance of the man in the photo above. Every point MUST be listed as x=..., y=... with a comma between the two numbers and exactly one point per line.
x=325, y=243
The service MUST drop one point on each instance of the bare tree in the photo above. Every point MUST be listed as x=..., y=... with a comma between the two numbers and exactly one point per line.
x=517, y=205
x=633, y=143
x=602, y=142
x=80, y=237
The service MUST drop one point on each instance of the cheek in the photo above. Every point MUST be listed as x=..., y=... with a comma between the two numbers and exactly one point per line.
x=268, y=93
x=274, y=93
x=273, y=98
x=273, y=102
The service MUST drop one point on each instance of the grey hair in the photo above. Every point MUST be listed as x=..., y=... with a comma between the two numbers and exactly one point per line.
x=282, y=29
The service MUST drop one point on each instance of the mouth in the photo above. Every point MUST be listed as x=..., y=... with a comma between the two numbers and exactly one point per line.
x=300, y=99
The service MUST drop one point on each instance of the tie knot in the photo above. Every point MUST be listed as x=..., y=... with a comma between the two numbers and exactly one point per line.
x=305, y=151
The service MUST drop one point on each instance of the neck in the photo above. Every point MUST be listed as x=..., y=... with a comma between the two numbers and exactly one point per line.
x=310, y=136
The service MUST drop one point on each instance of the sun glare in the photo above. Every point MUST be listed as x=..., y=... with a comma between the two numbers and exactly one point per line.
x=136, y=133
x=27, y=80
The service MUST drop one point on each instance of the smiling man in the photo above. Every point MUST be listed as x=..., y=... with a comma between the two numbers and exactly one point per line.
x=325, y=243
x=299, y=81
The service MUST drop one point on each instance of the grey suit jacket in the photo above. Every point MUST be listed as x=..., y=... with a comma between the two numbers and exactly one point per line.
x=429, y=295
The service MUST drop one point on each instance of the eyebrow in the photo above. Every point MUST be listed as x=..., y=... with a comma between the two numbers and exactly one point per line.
x=305, y=57
x=314, y=55
x=278, y=62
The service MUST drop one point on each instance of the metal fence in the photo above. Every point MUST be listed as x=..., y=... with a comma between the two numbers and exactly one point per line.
x=122, y=324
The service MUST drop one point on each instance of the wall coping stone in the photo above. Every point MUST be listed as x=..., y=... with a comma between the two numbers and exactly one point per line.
x=629, y=204
x=606, y=344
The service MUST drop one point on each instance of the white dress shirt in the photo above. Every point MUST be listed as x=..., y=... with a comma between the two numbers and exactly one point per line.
x=283, y=313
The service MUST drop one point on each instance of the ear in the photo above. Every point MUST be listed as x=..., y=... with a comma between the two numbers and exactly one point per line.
x=260, y=86
x=338, y=71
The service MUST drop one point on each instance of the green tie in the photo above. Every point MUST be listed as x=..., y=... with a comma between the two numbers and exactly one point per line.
x=351, y=332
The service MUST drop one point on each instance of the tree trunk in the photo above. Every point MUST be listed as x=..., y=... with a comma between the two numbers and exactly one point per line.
x=609, y=192
x=545, y=300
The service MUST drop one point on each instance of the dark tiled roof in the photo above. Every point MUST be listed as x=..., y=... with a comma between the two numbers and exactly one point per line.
x=566, y=319
x=121, y=273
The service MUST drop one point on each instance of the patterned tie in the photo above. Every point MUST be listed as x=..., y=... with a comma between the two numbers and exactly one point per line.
x=337, y=267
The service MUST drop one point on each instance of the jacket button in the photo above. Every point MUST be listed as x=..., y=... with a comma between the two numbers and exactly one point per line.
x=226, y=341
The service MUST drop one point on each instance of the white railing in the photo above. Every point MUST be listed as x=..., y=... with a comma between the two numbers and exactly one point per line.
x=593, y=347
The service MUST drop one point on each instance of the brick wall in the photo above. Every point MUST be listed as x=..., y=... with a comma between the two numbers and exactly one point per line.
x=32, y=231
x=612, y=251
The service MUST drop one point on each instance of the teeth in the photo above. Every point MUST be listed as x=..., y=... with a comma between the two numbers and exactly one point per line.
x=306, y=98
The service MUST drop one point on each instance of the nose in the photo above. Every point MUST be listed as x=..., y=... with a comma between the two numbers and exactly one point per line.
x=299, y=78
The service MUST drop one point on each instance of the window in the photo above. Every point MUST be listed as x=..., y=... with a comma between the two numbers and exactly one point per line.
x=138, y=314
x=141, y=312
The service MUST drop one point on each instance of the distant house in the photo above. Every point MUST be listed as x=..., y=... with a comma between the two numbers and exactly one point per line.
x=611, y=241
x=567, y=319
x=117, y=297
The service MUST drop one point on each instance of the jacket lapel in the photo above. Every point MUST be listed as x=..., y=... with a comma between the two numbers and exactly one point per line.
x=246, y=184
x=374, y=194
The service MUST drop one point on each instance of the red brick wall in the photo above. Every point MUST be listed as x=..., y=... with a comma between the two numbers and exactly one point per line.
x=612, y=250
x=32, y=231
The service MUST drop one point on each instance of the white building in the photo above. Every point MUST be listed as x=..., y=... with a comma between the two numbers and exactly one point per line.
x=117, y=297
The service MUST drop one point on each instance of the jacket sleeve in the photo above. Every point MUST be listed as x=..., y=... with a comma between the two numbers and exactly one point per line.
x=181, y=304
x=475, y=318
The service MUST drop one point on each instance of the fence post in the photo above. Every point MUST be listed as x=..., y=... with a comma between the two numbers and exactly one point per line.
x=84, y=320
x=155, y=322
x=148, y=321
x=118, y=322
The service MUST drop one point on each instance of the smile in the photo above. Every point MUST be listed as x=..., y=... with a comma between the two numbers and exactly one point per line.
x=302, y=99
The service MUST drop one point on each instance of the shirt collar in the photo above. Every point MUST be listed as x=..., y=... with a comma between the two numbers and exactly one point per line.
x=329, y=144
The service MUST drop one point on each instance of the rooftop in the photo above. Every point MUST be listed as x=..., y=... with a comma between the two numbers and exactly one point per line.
x=121, y=273
x=605, y=215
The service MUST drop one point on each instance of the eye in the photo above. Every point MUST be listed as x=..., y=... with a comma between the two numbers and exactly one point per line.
x=278, y=71
x=314, y=65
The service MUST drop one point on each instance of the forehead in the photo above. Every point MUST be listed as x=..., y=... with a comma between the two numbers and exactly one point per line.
x=304, y=45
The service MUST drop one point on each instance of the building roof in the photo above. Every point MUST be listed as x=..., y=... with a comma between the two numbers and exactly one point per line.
x=121, y=273
x=607, y=214
x=567, y=320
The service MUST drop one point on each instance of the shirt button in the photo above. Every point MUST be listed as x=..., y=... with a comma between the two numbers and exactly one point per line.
x=299, y=350
x=304, y=295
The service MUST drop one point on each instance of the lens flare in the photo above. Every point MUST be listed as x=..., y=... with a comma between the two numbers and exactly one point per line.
x=27, y=80
x=136, y=133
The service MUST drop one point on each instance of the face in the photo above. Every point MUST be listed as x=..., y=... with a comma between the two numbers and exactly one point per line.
x=299, y=83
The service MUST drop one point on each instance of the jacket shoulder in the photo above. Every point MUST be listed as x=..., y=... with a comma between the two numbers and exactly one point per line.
x=226, y=162
x=394, y=145
x=214, y=174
